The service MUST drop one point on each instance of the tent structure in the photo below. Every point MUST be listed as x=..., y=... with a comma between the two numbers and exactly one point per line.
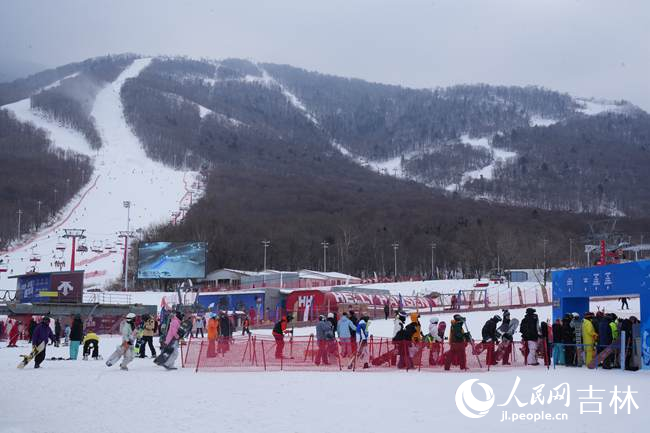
x=572, y=289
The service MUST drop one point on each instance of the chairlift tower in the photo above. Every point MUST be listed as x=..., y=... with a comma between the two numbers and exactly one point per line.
x=74, y=234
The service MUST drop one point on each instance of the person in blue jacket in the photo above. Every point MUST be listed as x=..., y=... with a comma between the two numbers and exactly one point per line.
x=42, y=332
x=345, y=328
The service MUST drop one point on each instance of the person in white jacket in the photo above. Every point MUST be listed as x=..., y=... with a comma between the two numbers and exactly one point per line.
x=124, y=350
x=398, y=323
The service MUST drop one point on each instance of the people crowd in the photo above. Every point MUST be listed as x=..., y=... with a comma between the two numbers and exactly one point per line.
x=574, y=341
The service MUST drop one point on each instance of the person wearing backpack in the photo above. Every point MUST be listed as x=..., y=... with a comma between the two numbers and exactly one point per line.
x=529, y=329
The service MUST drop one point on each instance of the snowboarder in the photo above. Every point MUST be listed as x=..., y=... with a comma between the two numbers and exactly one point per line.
x=353, y=334
x=172, y=342
x=398, y=323
x=124, y=350
x=90, y=340
x=148, y=326
x=66, y=334
x=41, y=334
x=76, y=335
x=279, y=330
x=324, y=334
x=605, y=338
x=568, y=339
x=386, y=311
x=530, y=334
x=246, y=326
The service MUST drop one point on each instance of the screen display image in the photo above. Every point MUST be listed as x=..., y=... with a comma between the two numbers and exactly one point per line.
x=172, y=260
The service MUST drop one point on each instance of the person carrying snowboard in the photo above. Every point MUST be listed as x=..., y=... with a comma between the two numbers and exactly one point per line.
x=171, y=341
x=225, y=331
x=124, y=350
x=435, y=341
x=41, y=334
x=576, y=324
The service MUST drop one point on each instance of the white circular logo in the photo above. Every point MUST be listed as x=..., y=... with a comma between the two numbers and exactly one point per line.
x=469, y=405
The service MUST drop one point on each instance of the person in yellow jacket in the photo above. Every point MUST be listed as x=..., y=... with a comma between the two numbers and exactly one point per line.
x=415, y=321
x=589, y=337
x=91, y=339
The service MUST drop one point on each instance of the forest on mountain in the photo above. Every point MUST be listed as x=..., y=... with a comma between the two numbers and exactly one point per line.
x=35, y=178
x=594, y=164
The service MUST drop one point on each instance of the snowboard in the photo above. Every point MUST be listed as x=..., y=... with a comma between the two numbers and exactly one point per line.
x=139, y=341
x=183, y=330
x=600, y=357
x=27, y=358
x=506, y=341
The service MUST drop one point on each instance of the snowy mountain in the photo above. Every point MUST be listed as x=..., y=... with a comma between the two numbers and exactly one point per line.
x=122, y=172
x=301, y=157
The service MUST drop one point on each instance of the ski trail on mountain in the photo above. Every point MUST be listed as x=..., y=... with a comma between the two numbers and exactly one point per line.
x=123, y=172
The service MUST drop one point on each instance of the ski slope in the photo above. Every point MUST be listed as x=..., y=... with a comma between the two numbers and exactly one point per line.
x=123, y=172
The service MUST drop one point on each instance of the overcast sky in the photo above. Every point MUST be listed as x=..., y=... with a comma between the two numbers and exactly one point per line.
x=584, y=47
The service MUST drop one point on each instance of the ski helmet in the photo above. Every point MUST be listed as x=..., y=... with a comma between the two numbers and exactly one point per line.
x=330, y=315
x=130, y=316
x=496, y=318
x=433, y=320
x=575, y=315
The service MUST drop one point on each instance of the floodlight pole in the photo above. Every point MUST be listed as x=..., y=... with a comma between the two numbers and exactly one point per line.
x=127, y=205
x=433, y=252
x=395, y=246
x=20, y=213
x=325, y=244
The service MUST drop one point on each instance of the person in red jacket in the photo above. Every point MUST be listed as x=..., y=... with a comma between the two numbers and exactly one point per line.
x=279, y=330
x=13, y=335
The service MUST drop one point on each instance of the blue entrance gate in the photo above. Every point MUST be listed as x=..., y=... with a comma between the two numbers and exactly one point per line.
x=572, y=289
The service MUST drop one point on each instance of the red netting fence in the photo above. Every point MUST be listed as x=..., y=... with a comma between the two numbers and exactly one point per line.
x=266, y=353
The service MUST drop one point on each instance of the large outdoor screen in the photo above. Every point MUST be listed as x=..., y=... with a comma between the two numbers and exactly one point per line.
x=172, y=260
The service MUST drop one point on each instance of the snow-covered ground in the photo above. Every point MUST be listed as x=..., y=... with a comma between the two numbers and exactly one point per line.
x=88, y=396
x=593, y=106
x=122, y=172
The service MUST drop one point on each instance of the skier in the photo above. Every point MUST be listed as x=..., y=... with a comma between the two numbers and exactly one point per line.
x=213, y=332
x=148, y=326
x=91, y=339
x=124, y=350
x=76, y=335
x=491, y=337
x=530, y=334
x=362, y=332
x=41, y=334
x=458, y=340
x=624, y=304
x=279, y=330
x=344, y=329
x=324, y=334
